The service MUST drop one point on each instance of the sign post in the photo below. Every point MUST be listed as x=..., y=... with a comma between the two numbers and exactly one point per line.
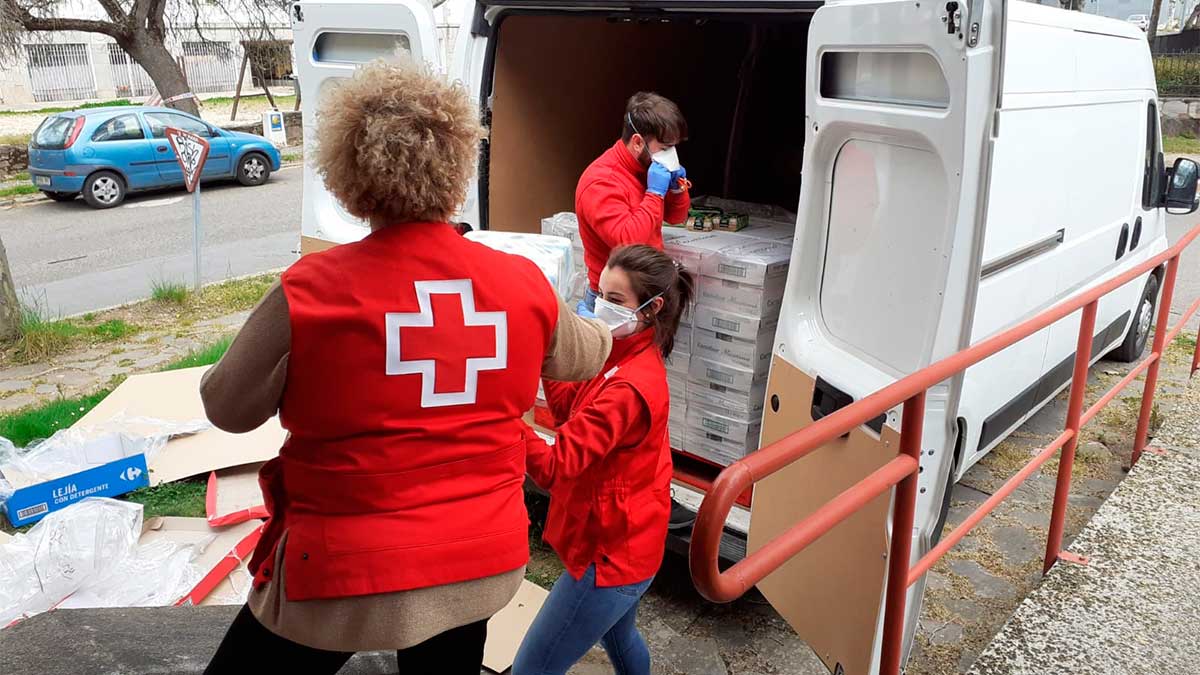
x=191, y=151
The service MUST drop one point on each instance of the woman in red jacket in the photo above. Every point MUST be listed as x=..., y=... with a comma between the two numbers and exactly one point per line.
x=609, y=473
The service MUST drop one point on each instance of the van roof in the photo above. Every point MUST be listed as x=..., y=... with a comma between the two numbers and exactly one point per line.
x=677, y=5
x=1028, y=12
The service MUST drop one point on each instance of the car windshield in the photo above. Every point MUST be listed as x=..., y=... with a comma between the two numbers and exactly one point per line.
x=52, y=134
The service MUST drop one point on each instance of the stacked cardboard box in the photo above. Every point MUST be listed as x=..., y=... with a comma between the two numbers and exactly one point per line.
x=566, y=225
x=729, y=333
x=717, y=371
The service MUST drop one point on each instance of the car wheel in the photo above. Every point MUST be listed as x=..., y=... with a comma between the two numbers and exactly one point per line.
x=104, y=190
x=61, y=196
x=253, y=169
x=1139, y=331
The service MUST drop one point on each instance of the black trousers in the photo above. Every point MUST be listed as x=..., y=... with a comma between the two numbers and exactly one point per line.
x=248, y=647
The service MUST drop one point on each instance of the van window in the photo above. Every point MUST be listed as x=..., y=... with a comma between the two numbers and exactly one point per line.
x=123, y=128
x=52, y=133
x=360, y=47
x=1153, y=164
x=897, y=78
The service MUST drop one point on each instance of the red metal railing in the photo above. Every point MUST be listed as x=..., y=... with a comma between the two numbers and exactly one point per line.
x=901, y=472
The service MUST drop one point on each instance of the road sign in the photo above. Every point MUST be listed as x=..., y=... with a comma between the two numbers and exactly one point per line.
x=191, y=151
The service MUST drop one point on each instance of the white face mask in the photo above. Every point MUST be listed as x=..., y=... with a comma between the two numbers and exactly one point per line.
x=621, y=320
x=668, y=158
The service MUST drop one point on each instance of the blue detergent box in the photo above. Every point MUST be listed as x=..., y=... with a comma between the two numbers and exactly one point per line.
x=31, y=503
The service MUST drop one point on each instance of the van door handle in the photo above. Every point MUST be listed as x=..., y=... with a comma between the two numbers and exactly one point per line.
x=1137, y=234
x=828, y=399
x=1122, y=241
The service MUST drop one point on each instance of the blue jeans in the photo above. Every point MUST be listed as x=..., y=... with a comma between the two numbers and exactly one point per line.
x=587, y=306
x=576, y=616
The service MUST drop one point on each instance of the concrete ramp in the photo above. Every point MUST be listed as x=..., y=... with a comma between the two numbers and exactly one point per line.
x=1136, y=607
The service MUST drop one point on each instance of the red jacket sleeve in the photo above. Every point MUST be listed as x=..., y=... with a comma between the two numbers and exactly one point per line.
x=616, y=417
x=560, y=396
x=676, y=210
x=602, y=205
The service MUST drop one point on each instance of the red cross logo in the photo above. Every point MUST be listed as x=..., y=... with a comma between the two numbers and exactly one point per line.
x=448, y=353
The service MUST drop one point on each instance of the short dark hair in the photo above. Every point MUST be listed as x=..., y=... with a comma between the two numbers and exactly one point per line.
x=653, y=273
x=653, y=116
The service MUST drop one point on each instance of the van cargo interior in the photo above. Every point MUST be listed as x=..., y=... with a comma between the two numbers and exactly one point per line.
x=559, y=89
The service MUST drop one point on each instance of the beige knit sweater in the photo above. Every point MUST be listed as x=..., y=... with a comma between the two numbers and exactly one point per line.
x=244, y=390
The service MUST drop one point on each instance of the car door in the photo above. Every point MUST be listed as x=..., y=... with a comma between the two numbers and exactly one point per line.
x=900, y=101
x=330, y=40
x=122, y=141
x=218, y=162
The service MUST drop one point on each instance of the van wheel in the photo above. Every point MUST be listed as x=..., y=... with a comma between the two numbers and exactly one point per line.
x=1139, y=331
x=104, y=190
x=253, y=169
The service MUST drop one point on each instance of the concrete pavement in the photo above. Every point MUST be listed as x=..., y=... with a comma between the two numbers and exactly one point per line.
x=67, y=258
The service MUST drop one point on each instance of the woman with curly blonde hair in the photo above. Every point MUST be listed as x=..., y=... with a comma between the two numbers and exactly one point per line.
x=400, y=365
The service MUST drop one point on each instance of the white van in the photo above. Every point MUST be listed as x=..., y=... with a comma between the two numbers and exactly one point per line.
x=956, y=166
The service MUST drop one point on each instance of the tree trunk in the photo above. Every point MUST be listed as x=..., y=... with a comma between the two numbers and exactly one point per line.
x=10, y=307
x=1152, y=29
x=163, y=70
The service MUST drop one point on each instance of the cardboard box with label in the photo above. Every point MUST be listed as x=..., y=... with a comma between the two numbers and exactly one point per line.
x=707, y=371
x=742, y=298
x=754, y=264
x=733, y=324
x=754, y=355
x=742, y=403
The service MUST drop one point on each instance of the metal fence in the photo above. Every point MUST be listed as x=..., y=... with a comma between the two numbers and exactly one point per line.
x=129, y=79
x=1178, y=73
x=60, y=72
x=210, y=66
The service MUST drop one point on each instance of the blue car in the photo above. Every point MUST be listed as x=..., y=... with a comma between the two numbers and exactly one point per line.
x=106, y=153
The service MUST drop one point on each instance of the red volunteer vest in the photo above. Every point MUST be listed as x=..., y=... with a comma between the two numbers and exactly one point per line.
x=615, y=515
x=414, y=354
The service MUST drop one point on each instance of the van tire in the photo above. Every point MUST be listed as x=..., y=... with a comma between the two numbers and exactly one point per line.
x=253, y=169
x=1139, y=328
x=104, y=190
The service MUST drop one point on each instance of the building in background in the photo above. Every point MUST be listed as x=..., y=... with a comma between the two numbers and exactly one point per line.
x=68, y=67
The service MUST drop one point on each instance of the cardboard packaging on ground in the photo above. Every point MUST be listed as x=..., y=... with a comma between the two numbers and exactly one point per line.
x=175, y=396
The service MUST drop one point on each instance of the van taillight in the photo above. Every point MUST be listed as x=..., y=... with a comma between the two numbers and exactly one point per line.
x=74, y=132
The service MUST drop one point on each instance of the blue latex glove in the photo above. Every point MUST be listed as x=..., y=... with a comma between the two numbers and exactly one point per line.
x=582, y=310
x=676, y=176
x=658, y=179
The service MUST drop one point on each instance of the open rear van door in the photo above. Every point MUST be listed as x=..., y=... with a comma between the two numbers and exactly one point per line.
x=884, y=271
x=330, y=40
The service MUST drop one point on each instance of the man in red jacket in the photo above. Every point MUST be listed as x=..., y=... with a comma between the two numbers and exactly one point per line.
x=626, y=195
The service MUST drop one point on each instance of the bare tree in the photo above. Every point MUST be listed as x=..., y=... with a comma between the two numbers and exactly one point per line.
x=141, y=28
x=1152, y=29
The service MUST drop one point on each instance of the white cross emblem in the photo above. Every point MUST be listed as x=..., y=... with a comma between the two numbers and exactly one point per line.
x=427, y=368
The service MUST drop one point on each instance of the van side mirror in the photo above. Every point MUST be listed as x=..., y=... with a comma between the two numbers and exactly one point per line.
x=1181, y=187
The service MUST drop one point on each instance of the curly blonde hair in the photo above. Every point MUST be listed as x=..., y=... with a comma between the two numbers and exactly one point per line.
x=397, y=143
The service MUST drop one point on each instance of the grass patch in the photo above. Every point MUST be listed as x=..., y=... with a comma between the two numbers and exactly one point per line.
x=41, y=338
x=169, y=291
x=59, y=109
x=15, y=139
x=1180, y=145
x=26, y=426
x=180, y=498
x=238, y=295
x=24, y=175
x=292, y=157
x=18, y=190
x=282, y=102
x=205, y=356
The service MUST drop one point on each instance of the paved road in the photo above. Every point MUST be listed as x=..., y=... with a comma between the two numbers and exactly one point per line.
x=68, y=258
x=1187, y=286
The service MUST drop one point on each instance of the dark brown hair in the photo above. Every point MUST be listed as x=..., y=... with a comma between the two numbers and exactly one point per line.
x=652, y=272
x=653, y=116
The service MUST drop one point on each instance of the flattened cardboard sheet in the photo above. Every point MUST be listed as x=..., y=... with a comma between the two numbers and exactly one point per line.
x=222, y=550
x=508, y=627
x=831, y=593
x=175, y=396
x=234, y=496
